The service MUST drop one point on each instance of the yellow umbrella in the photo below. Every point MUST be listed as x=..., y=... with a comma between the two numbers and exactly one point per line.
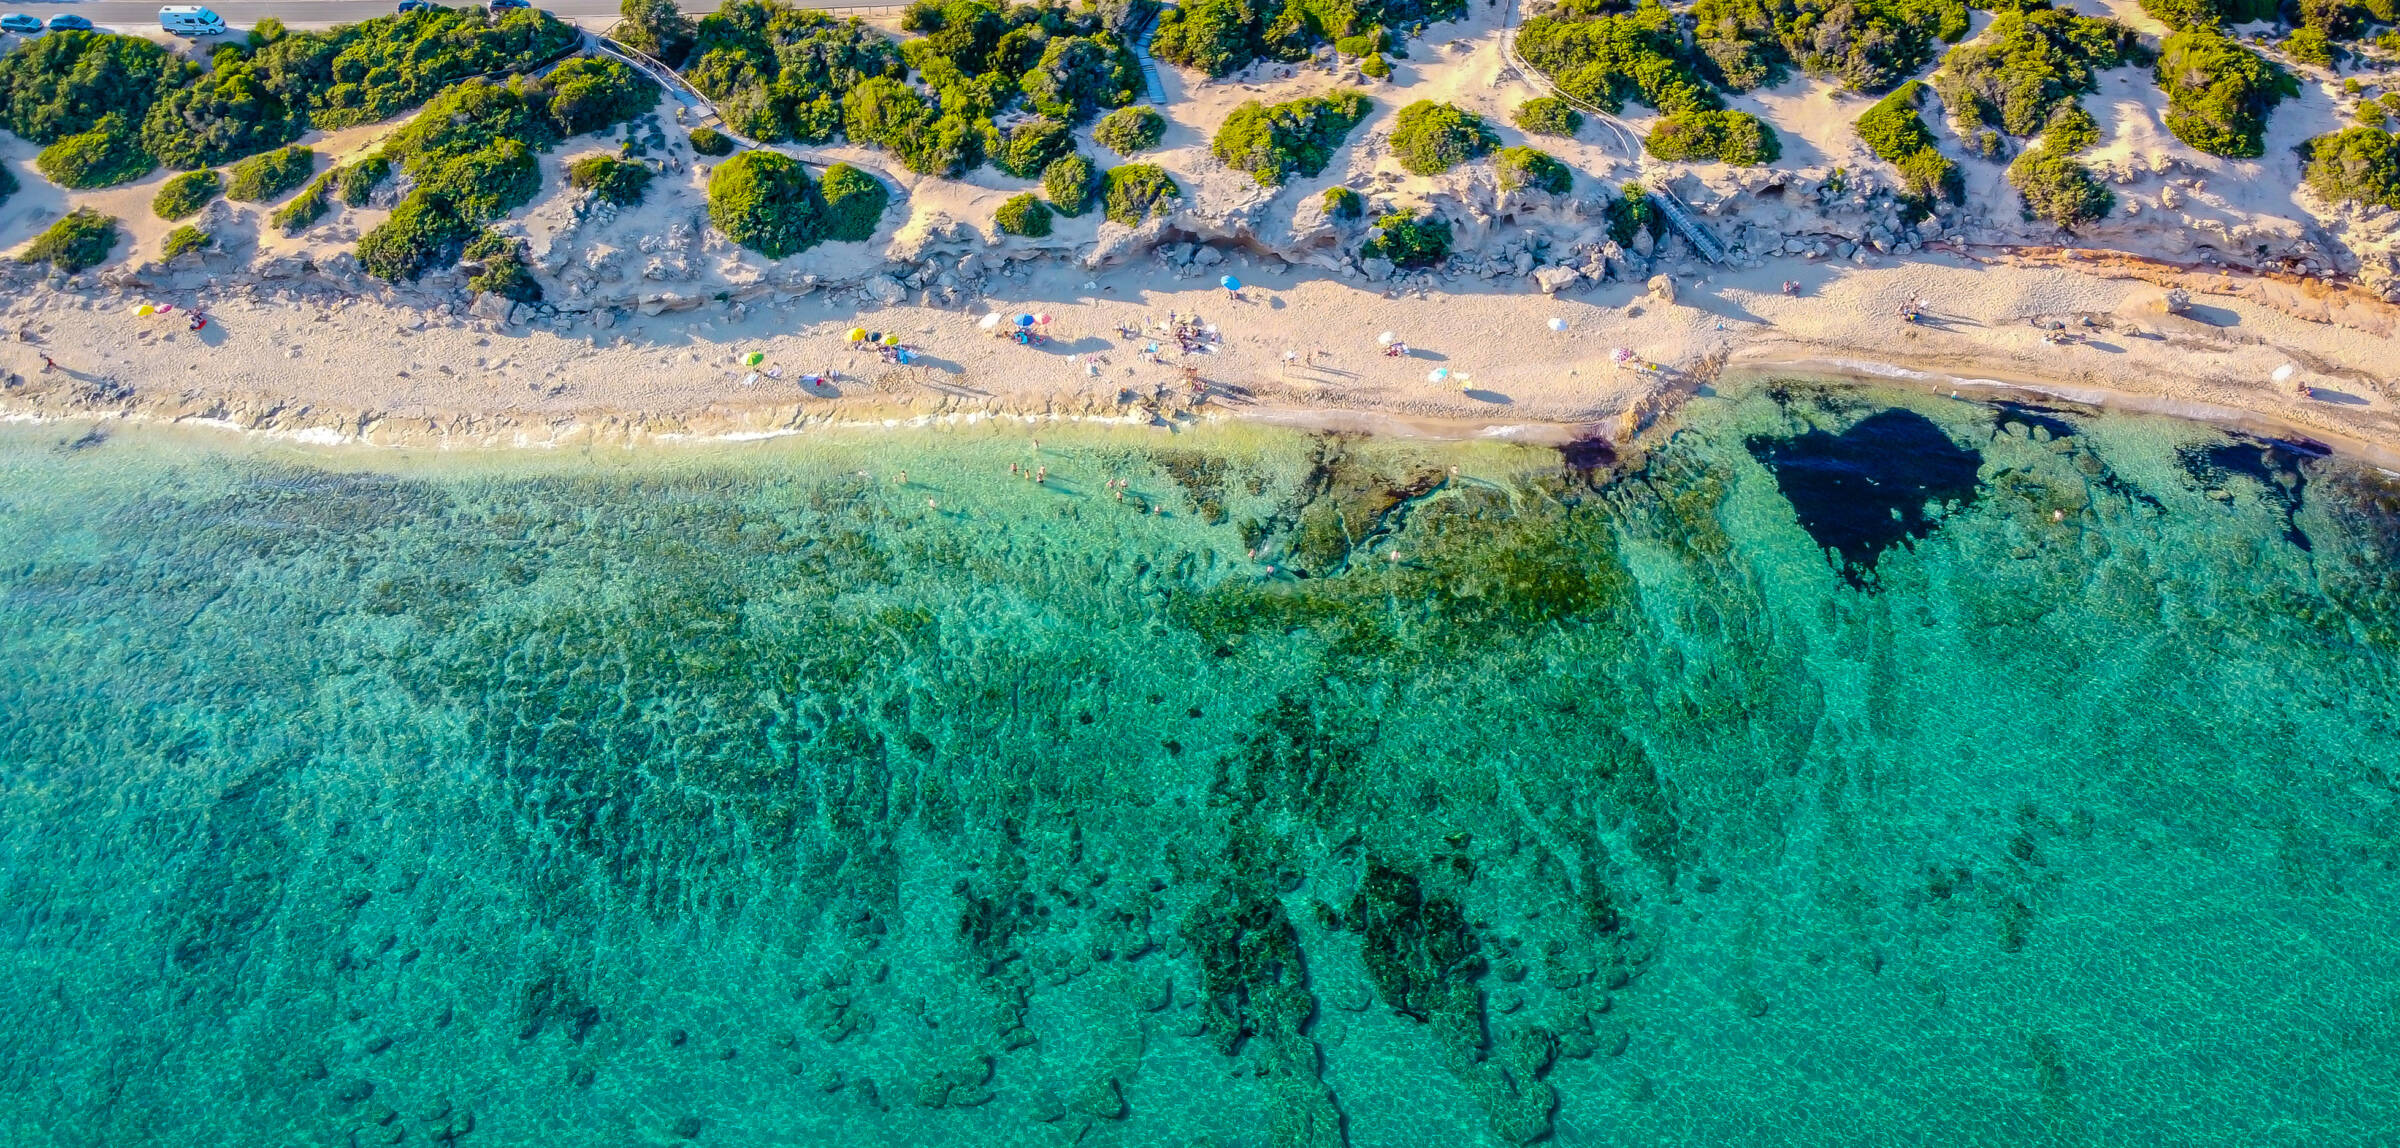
x=891, y=339
x=146, y=310
x=858, y=334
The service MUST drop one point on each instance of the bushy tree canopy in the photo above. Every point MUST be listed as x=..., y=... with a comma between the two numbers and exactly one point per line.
x=1273, y=142
x=1532, y=169
x=1705, y=135
x=1430, y=138
x=764, y=201
x=1607, y=57
x=1130, y=131
x=2219, y=92
x=2031, y=60
x=2360, y=165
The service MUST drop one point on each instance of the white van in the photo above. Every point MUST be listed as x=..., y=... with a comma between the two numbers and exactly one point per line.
x=190, y=20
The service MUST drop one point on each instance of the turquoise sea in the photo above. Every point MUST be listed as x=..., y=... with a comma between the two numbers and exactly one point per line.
x=1855, y=767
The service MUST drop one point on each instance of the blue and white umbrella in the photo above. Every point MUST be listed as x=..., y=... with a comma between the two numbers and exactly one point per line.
x=1230, y=283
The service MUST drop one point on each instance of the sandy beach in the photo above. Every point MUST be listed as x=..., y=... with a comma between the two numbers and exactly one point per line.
x=366, y=372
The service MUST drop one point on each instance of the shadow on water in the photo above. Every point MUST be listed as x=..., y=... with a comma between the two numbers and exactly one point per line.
x=2272, y=463
x=1880, y=483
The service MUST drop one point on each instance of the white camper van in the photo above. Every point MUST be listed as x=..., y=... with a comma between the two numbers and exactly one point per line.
x=190, y=20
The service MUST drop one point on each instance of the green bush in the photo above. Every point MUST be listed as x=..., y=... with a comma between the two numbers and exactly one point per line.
x=1024, y=214
x=378, y=68
x=1069, y=181
x=2058, y=189
x=63, y=83
x=1894, y=131
x=500, y=267
x=222, y=116
x=1409, y=240
x=709, y=141
x=1633, y=212
x=2071, y=129
x=609, y=179
x=1079, y=75
x=183, y=196
x=105, y=156
x=2361, y=165
x=359, y=180
x=1431, y=138
x=1274, y=142
x=1028, y=147
x=1222, y=36
x=307, y=207
x=2027, y=63
x=764, y=201
x=1132, y=192
x=1130, y=131
x=1607, y=57
x=1705, y=136
x=79, y=239
x=658, y=28
x=183, y=241
x=2185, y=15
x=1524, y=167
x=421, y=235
x=589, y=93
x=1869, y=45
x=1343, y=203
x=1376, y=67
x=269, y=174
x=1732, y=137
x=890, y=113
x=782, y=73
x=854, y=203
x=2219, y=92
x=1548, y=116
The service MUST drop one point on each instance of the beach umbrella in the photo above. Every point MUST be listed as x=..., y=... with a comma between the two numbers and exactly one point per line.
x=1387, y=339
x=145, y=310
x=1439, y=374
x=1558, y=324
x=1043, y=318
x=857, y=334
x=1230, y=283
x=2283, y=374
x=892, y=339
x=1024, y=320
x=990, y=321
x=1621, y=356
x=754, y=358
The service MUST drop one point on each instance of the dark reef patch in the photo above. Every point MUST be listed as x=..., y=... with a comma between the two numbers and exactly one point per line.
x=2005, y=413
x=1871, y=487
x=2273, y=463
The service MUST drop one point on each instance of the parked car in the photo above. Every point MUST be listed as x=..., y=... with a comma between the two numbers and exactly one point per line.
x=190, y=20
x=69, y=22
x=415, y=5
x=20, y=23
x=504, y=5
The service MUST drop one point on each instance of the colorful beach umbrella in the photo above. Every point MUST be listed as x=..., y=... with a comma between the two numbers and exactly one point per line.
x=1438, y=375
x=1558, y=324
x=857, y=334
x=1043, y=318
x=1230, y=283
x=754, y=358
x=1024, y=320
x=891, y=339
x=1621, y=355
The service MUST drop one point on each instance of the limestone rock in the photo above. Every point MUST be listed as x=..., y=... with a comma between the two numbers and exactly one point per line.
x=1662, y=288
x=1553, y=280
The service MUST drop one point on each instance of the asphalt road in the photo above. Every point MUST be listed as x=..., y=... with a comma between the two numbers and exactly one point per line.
x=133, y=15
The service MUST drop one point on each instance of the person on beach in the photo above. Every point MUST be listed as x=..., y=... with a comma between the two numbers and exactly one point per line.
x=49, y=364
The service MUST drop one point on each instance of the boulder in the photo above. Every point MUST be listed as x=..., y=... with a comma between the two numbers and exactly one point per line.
x=1662, y=288
x=885, y=289
x=1378, y=270
x=1553, y=280
x=2177, y=301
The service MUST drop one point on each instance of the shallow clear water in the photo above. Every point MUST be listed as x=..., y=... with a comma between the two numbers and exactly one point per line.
x=1857, y=768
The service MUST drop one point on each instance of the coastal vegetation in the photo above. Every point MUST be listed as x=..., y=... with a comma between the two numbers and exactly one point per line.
x=304, y=209
x=854, y=203
x=1868, y=45
x=269, y=174
x=2186, y=15
x=657, y=28
x=1632, y=213
x=1220, y=37
x=107, y=155
x=1130, y=131
x=1133, y=192
x=2358, y=165
x=609, y=179
x=183, y=241
x=2057, y=188
x=1070, y=181
x=1409, y=239
x=79, y=239
x=471, y=152
x=2219, y=92
x=1897, y=135
x=783, y=73
x=1597, y=52
x=1342, y=203
x=710, y=141
x=765, y=201
x=1024, y=150
x=1704, y=135
x=359, y=179
x=1430, y=138
x=1525, y=168
x=1024, y=214
x=183, y=196
x=500, y=267
x=1549, y=116
x=1273, y=142
x=2022, y=78
x=63, y=84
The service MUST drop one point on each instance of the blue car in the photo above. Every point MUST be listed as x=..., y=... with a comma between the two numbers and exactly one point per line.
x=504, y=5
x=69, y=22
x=20, y=23
x=415, y=5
